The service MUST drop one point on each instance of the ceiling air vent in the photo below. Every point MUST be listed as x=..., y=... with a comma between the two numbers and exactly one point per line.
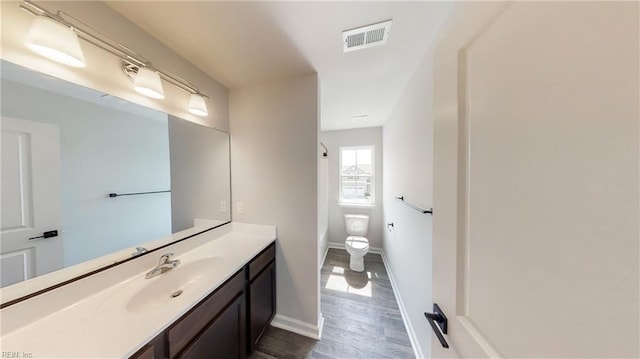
x=366, y=36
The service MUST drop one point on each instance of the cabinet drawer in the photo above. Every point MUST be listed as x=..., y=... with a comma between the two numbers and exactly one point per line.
x=262, y=260
x=187, y=328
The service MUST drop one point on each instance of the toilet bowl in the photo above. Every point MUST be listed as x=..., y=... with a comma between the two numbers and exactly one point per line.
x=357, y=247
x=356, y=244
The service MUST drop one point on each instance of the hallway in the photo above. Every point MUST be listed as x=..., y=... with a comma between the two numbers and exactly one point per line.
x=361, y=317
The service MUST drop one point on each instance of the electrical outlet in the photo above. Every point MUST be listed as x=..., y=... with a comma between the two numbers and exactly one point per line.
x=223, y=206
x=240, y=207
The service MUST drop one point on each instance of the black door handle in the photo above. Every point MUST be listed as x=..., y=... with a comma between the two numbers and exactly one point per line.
x=47, y=234
x=438, y=322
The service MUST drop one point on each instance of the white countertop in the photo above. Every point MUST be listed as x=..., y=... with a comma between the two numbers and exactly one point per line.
x=93, y=318
x=47, y=280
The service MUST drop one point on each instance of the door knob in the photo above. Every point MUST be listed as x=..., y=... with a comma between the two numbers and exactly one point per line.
x=47, y=234
x=438, y=322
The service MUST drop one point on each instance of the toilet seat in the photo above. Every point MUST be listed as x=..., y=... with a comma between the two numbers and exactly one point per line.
x=357, y=247
x=357, y=243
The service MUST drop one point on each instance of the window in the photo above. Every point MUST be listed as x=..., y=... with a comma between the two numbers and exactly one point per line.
x=356, y=175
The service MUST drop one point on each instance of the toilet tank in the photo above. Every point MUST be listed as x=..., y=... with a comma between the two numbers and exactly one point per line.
x=356, y=224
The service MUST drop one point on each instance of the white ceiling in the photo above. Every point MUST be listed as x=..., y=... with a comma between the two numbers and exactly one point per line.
x=243, y=43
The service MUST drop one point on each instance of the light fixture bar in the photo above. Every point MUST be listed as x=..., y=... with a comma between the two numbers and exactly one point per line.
x=113, y=47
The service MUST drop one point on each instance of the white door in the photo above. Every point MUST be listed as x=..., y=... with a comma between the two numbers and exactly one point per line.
x=30, y=200
x=536, y=143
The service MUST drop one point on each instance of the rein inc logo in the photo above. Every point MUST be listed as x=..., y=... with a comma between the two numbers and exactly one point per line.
x=17, y=355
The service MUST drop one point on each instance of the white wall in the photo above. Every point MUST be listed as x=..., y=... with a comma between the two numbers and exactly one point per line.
x=200, y=174
x=408, y=170
x=274, y=157
x=103, y=150
x=344, y=138
x=103, y=71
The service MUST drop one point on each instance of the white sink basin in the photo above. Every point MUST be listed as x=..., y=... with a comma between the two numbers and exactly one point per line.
x=167, y=287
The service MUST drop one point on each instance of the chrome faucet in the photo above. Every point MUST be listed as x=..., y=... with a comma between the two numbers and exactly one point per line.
x=164, y=265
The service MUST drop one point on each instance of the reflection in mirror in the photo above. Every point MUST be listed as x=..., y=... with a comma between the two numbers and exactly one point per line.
x=87, y=176
x=198, y=190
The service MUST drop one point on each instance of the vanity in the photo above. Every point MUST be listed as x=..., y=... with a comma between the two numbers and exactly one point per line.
x=229, y=322
x=216, y=304
x=125, y=247
x=116, y=226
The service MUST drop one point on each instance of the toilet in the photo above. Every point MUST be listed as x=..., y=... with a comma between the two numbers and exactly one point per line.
x=356, y=244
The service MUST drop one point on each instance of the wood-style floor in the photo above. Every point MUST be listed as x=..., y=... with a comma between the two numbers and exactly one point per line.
x=361, y=317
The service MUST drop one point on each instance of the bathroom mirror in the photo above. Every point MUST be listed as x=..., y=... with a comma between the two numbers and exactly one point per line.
x=88, y=177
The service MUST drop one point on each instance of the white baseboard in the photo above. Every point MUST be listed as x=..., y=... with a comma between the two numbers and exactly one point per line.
x=403, y=311
x=324, y=256
x=320, y=326
x=298, y=326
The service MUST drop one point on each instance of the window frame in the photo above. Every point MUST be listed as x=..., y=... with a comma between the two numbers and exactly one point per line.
x=351, y=203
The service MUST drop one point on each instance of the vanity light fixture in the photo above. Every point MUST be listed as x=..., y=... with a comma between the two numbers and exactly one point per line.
x=146, y=80
x=55, y=35
x=56, y=41
x=197, y=105
x=148, y=83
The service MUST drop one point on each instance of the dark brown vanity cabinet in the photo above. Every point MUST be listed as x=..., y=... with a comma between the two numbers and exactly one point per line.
x=261, y=294
x=228, y=323
x=224, y=338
